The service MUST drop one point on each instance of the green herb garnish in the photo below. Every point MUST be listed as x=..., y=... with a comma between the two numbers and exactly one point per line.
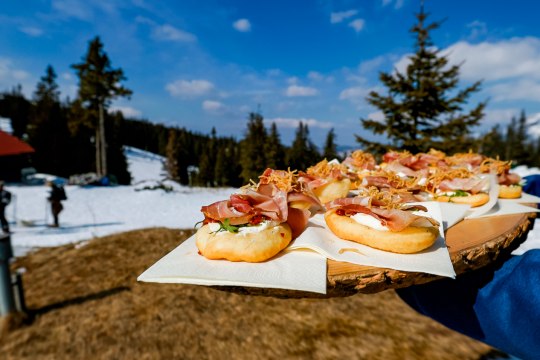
x=459, y=193
x=226, y=226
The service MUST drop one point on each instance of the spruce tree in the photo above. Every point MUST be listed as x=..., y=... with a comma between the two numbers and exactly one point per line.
x=274, y=150
x=171, y=161
x=47, y=129
x=510, y=139
x=303, y=153
x=521, y=151
x=423, y=107
x=116, y=159
x=253, y=158
x=492, y=143
x=99, y=84
x=330, y=147
x=207, y=162
x=16, y=107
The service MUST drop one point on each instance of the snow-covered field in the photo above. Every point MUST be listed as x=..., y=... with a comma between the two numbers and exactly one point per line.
x=98, y=211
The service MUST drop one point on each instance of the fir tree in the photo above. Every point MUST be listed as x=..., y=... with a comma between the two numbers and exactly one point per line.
x=423, y=107
x=171, y=162
x=208, y=161
x=330, y=147
x=47, y=130
x=99, y=84
x=521, y=150
x=303, y=153
x=253, y=159
x=116, y=159
x=274, y=150
x=510, y=139
x=16, y=107
x=493, y=143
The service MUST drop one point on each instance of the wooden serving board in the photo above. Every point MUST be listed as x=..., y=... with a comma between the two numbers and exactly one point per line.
x=472, y=244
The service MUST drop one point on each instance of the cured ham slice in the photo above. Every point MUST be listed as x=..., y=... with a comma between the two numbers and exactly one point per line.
x=394, y=219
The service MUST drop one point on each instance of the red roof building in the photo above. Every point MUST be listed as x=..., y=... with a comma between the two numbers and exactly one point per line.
x=10, y=145
x=14, y=156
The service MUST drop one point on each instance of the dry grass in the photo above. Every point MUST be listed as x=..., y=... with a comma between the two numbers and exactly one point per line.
x=87, y=305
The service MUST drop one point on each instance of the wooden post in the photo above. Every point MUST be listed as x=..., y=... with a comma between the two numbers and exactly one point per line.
x=7, y=301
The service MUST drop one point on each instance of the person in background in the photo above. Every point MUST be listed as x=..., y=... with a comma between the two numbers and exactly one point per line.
x=498, y=304
x=5, y=199
x=56, y=196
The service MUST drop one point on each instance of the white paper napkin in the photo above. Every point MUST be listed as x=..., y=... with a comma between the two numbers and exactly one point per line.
x=435, y=260
x=505, y=207
x=493, y=196
x=453, y=213
x=300, y=270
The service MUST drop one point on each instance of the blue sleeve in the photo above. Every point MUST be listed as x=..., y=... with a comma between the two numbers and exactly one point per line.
x=499, y=306
x=532, y=184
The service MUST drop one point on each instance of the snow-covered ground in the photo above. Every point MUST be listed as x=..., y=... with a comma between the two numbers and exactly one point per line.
x=98, y=211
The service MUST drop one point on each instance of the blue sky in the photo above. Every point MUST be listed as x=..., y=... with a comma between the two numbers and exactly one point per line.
x=199, y=64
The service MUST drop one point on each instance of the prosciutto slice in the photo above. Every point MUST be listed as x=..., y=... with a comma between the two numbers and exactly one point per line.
x=268, y=202
x=474, y=185
x=394, y=219
x=508, y=179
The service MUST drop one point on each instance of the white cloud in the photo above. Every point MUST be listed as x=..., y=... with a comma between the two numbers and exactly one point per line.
x=296, y=90
x=189, y=87
x=516, y=57
x=535, y=129
x=337, y=17
x=314, y=75
x=508, y=68
x=293, y=80
x=354, y=93
x=478, y=29
x=523, y=89
x=317, y=76
x=371, y=65
x=170, y=33
x=357, y=24
x=377, y=116
x=9, y=75
x=242, y=25
x=127, y=111
x=397, y=5
x=212, y=106
x=66, y=76
x=31, y=31
x=73, y=8
x=499, y=116
x=294, y=122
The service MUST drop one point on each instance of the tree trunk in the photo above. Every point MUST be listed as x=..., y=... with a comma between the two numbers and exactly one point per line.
x=98, y=152
x=103, y=143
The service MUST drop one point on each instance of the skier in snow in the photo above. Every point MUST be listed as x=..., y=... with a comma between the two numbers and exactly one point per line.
x=56, y=196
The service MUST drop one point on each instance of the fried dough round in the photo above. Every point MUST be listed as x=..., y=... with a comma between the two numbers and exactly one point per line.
x=333, y=190
x=510, y=192
x=473, y=200
x=249, y=247
x=410, y=240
